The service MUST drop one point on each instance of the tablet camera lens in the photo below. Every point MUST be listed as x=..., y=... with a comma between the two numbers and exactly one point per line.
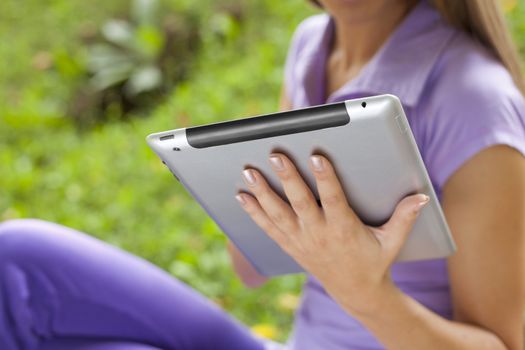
x=363, y=104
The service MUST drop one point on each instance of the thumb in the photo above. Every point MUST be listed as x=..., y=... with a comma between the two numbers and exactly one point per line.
x=404, y=217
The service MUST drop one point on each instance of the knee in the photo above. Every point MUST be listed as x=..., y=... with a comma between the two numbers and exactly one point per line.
x=20, y=252
x=21, y=238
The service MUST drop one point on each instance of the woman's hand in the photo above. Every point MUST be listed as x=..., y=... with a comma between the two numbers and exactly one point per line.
x=349, y=258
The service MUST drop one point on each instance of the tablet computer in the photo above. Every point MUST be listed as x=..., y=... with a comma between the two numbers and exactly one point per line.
x=368, y=140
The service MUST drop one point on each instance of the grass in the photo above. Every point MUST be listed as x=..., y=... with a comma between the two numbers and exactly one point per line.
x=107, y=182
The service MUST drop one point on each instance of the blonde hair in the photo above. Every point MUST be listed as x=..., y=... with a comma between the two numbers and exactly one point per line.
x=484, y=21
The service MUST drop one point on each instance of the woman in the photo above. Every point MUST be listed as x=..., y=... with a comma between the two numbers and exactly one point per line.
x=454, y=68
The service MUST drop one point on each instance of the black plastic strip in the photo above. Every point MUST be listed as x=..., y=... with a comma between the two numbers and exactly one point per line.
x=268, y=125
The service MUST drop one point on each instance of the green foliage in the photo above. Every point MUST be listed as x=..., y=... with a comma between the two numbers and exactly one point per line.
x=107, y=182
x=131, y=52
x=516, y=20
x=131, y=63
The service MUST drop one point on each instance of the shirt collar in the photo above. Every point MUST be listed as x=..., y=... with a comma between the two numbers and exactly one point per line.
x=401, y=66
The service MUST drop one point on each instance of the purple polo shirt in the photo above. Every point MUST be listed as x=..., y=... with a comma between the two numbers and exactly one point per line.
x=458, y=99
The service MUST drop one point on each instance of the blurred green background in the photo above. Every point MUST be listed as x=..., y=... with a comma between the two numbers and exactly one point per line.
x=83, y=82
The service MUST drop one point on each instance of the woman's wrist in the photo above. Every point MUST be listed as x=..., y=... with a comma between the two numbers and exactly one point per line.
x=372, y=302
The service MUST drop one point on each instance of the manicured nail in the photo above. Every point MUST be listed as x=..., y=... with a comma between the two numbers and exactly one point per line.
x=317, y=162
x=277, y=162
x=249, y=177
x=423, y=200
x=240, y=199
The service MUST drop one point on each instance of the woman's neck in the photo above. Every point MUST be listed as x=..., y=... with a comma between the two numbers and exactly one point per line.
x=361, y=29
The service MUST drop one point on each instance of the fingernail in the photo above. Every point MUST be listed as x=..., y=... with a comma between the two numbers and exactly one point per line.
x=277, y=162
x=317, y=162
x=240, y=199
x=249, y=177
x=423, y=200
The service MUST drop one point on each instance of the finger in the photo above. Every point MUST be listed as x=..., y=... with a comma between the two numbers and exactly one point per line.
x=299, y=194
x=259, y=216
x=400, y=224
x=277, y=209
x=331, y=193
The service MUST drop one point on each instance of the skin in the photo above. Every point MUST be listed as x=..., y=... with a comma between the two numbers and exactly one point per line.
x=483, y=201
x=369, y=24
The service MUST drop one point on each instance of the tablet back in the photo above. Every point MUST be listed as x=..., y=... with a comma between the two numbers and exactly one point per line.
x=368, y=140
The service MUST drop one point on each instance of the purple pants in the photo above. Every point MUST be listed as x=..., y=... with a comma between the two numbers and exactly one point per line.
x=62, y=289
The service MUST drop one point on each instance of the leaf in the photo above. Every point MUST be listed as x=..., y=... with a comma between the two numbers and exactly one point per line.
x=225, y=24
x=183, y=270
x=288, y=301
x=144, y=11
x=102, y=56
x=144, y=79
x=119, y=32
x=149, y=40
x=265, y=330
x=210, y=228
x=67, y=64
x=509, y=5
x=110, y=76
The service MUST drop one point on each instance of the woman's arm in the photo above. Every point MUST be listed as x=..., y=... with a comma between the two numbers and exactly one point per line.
x=244, y=269
x=284, y=102
x=484, y=202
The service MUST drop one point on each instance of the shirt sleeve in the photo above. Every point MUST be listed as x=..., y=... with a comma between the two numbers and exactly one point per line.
x=460, y=131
